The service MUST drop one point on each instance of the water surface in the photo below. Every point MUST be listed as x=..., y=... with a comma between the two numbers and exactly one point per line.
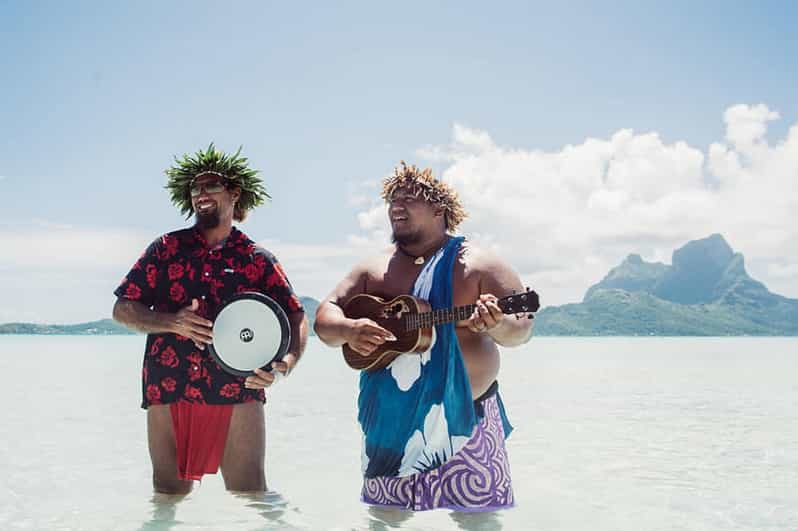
x=611, y=434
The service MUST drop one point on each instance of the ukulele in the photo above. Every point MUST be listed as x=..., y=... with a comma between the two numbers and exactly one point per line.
x=411, y=321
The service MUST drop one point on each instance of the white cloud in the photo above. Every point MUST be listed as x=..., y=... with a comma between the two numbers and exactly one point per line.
x=315, y=269
x=746, y=126
x=45, y=245
x=52, y=272
x=361, y=193
x=58, y=273
x=563, y=218
x=783, y=270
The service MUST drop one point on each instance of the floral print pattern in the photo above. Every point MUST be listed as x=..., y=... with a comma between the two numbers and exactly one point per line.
x=179, y=267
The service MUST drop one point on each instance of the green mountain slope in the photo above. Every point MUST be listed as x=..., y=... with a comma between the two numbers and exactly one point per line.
x=706, y=291
x=93, y=328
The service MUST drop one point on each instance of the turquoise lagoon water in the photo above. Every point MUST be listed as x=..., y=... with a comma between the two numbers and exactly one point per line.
x=611, y=434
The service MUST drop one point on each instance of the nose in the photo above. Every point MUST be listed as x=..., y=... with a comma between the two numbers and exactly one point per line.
x=396, y=208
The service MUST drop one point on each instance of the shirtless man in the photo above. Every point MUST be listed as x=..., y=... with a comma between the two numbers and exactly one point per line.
x=426, y=418
x=200, y=418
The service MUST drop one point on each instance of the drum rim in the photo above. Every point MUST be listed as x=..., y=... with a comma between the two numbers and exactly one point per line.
x=285, y=330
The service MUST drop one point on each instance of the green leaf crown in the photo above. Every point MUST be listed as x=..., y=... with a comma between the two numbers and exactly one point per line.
x=233, y=168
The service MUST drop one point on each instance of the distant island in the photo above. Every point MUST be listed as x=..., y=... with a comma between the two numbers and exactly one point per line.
x=103, y=327
x=705, y=292
x=106, y=327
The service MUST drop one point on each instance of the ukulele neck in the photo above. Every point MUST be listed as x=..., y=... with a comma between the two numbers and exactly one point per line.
x=442, y=316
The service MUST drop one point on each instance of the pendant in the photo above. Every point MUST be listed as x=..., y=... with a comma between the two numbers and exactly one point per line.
x=419, y=260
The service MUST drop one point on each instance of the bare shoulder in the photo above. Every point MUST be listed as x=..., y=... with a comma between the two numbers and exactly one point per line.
x=359, y=277
x=479, y=259
x=377, y=263
x=493, y=273
x=374, y=265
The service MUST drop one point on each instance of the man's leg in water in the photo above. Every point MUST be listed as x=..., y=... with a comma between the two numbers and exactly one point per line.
x=163, y=452
x=245, y=449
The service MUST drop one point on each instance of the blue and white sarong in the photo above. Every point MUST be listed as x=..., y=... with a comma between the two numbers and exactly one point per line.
x=418, y=412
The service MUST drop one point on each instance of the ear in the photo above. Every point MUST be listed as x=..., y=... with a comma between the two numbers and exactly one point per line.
x=235, y=194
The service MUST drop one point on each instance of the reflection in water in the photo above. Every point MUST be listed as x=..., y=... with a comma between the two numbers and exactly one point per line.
x=274, y=512
x=269, y=505
x=478, y=521
x=380, y=519
x=164, y=507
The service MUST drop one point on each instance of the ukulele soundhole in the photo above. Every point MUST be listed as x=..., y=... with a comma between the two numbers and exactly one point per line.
x=395, y=311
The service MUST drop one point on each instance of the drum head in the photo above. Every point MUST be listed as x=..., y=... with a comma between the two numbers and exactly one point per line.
x=249, y=332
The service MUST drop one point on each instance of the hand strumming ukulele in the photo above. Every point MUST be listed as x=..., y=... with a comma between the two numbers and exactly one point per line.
x=411, y=320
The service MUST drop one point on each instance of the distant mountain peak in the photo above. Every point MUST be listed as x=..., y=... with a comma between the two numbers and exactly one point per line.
x=710, y=252
x=706, y=291
x=633, y=274
x=634, y=259
x=702, y=271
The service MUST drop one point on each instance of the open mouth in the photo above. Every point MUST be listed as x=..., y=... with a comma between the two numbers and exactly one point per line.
x=205, y=206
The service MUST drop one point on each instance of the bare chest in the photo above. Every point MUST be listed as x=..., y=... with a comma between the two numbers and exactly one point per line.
x=397, y=277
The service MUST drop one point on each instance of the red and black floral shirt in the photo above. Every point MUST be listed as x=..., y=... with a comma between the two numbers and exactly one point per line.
x=177, y=268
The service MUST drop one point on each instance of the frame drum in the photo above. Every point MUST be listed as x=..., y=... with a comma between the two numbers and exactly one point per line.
x=249, y=332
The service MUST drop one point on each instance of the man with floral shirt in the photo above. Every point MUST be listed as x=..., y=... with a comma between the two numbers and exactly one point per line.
x=200, y=418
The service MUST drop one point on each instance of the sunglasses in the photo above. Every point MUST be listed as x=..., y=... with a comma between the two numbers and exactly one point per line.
x=213, y=187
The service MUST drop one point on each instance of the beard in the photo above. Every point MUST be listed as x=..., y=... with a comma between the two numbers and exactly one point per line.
x=209, y=220
x=406, y=239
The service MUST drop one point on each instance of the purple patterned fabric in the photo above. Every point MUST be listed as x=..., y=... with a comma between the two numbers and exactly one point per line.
x=477, y=478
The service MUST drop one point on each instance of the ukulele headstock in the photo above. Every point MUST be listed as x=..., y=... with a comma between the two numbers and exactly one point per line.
x=526, y=302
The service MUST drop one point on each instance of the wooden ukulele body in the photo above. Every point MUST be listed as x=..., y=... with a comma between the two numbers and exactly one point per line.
x=412, y=322
x=393, y=315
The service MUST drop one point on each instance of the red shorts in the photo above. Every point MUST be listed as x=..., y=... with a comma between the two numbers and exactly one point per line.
x=200, y=436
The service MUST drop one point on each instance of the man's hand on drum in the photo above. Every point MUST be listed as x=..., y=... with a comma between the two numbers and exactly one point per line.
x=188, y=324
x=280, y=369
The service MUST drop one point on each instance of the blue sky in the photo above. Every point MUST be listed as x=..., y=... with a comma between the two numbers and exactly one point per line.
x=326, y=98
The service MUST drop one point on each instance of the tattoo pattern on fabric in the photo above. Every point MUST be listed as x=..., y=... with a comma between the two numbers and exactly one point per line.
x=477, y=478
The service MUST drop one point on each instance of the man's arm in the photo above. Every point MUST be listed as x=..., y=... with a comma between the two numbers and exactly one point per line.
x=299, y=334
x=185, y=322
x=496, y=280
x=331, y=325
x=335, y=329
